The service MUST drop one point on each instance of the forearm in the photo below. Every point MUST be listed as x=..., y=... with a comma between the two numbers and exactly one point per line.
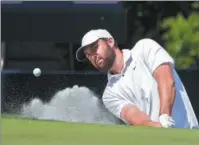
x=136, y=117
x=143, y=120
x=166, y=87
x=167, y=96
x=150, y=123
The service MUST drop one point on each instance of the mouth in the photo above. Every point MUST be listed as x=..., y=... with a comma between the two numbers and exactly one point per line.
x=98, y=61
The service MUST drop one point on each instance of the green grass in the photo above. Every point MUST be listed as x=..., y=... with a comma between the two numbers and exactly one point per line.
x=18, y=131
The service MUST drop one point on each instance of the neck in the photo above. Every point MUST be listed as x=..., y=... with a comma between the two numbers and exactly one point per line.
x=118, y=63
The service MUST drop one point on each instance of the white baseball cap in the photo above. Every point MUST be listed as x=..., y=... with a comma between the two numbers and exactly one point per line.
x=89, y=38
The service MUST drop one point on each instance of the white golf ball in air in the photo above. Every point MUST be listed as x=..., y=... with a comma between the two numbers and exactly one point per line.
x=37, y=72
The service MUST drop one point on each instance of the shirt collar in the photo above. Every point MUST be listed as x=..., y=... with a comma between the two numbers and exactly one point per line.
x=127, y=59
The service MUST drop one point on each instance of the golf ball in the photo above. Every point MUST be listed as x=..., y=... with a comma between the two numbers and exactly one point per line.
x=37, y=72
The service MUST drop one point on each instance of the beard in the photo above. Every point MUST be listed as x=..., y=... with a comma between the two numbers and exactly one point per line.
x=108, y=61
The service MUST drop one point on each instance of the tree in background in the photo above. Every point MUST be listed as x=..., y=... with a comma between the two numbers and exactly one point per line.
x=172, y=24
x=182, y=38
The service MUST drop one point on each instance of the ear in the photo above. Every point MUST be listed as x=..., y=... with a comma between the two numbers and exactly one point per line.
x=111, y=42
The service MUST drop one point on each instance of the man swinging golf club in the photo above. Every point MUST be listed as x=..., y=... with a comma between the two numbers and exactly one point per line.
x=143, y=86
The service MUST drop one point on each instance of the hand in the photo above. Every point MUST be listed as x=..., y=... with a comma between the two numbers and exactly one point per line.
x=166, y=121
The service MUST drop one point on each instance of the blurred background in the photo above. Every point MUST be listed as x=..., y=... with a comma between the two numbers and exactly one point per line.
x=46, y=35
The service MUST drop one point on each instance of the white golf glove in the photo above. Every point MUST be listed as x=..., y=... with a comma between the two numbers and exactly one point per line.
x=166, y=121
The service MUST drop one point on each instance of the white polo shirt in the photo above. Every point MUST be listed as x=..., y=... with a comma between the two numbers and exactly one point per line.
x=136, y=85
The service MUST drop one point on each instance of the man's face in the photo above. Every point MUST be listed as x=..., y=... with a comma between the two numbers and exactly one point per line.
x=101, y=54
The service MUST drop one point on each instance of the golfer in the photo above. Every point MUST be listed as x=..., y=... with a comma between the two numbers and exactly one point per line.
x=143, y=87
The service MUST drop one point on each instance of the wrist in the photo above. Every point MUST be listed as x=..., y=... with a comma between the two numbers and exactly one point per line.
x=165, y=110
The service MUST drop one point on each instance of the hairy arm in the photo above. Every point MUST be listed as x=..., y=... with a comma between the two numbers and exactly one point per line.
x=166, y=87
x=136, y=117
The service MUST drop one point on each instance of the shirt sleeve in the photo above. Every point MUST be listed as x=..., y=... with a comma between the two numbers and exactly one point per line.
x=114, y=103
x=154, y=54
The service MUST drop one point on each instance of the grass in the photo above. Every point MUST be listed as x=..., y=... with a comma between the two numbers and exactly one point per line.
x=18, y=131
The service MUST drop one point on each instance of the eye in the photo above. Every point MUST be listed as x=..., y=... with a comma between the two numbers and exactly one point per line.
x=94, y=48
x=88, y=55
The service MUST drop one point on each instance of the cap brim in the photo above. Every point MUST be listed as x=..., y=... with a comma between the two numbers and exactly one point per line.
x=80, y=56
